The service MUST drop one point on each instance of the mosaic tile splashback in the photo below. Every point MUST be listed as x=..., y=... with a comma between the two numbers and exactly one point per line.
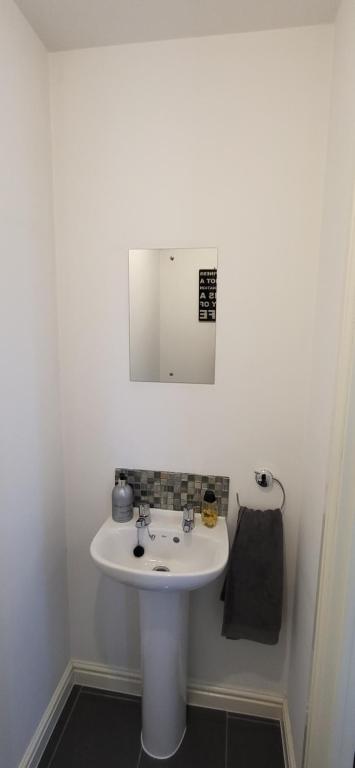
x=173, y=490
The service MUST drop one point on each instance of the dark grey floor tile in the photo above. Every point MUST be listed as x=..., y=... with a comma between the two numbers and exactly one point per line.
x=203, y=745
x=55, y=737
x=114, y=694
x=253, y=743
x=103, y=732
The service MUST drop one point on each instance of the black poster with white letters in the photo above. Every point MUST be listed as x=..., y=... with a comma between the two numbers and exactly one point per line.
x=207, y=295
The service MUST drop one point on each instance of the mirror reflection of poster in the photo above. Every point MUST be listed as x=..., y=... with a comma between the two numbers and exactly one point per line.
x=207, y=295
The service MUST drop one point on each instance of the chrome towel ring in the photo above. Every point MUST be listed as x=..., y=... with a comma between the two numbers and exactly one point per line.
x=265, y=479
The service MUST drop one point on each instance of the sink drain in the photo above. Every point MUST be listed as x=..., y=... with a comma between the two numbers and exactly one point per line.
x=161, y=568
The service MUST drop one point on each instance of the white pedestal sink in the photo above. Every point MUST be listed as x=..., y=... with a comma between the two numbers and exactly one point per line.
x=192, y=560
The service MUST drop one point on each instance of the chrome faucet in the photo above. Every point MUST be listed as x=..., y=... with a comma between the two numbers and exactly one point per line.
x=188, y=519
x=144, y=519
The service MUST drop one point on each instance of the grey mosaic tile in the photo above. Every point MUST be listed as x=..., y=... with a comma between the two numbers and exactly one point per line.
x=173, y=490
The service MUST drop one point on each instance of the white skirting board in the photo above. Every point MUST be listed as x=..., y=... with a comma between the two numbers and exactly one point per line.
x=116, y=679
x=48, y=721
x=287, y=738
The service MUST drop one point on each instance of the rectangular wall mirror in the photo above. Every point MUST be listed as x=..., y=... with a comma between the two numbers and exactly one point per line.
x=172, y=306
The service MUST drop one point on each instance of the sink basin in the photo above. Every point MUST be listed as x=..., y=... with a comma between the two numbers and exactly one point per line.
x=192, y=559
x=189, y=561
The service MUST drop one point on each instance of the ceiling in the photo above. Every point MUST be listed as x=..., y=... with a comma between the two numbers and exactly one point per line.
x=67, y=24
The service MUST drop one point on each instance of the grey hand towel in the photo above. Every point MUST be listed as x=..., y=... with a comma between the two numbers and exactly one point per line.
x=253, y=587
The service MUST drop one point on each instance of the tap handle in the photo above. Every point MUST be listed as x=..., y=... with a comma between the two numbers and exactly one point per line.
x=189, y=514
x=144, y=512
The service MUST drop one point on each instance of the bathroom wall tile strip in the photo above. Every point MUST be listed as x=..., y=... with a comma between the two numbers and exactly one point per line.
x=101, y=729
x=173, y=490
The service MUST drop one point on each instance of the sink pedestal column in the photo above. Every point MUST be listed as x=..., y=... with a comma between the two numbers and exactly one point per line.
x=163, y=619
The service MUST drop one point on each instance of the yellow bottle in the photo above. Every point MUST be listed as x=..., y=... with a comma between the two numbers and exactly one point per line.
x=209, y=510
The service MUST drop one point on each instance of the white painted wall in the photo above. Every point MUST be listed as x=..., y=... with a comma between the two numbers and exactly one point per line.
x=34, y=638
x=187, y=346
x=216, y=141
x=336, y=225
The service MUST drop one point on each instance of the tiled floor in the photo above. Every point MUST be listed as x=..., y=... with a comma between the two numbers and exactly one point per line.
x=102, y=730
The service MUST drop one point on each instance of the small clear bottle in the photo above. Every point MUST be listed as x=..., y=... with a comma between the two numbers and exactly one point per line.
x=209, y=510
